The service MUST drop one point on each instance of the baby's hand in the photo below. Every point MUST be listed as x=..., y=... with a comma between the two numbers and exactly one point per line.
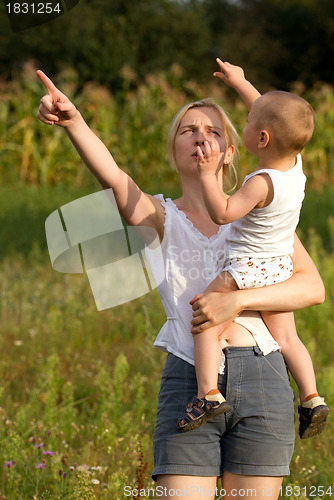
x=209, y=158
x=230, y=74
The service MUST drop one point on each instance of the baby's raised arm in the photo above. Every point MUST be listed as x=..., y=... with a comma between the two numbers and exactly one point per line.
x=136, y=207
x=234, y=77
x=224, y=209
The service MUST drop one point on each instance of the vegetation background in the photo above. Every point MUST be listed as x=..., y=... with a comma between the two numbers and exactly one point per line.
x=78, y=387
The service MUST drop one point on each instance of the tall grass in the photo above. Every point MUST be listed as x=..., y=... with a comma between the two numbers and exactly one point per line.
x=134, y=125
x=78, y=388
x=81, y=385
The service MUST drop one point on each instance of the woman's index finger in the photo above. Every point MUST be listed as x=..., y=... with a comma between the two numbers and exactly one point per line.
x=48, y=84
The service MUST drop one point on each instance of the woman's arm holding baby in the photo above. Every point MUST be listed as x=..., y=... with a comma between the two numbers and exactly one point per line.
x=305, y=288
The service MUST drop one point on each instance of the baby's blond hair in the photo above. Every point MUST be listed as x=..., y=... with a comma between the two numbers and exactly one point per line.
x=288, y=117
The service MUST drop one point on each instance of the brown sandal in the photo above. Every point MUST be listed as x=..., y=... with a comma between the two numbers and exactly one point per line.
x=200, y=410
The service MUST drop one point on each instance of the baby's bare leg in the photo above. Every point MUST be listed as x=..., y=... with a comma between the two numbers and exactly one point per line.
x=207, y=354
x=207, y=350
x=222, y=283
x=283, y=329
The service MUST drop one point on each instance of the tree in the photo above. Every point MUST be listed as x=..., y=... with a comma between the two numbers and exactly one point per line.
x=276, y=41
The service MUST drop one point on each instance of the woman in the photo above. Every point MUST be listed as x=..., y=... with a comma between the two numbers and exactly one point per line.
x=249, y=448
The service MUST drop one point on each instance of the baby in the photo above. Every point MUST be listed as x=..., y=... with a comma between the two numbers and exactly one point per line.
x=263, y=215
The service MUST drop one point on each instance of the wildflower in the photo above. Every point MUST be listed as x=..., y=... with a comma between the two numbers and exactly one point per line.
x=48, y=453
x=41, y=465
x=33, y=332
x=95, y=481
x=97, y=467
x=9, y=464
x=82, y=468
x=40, y=445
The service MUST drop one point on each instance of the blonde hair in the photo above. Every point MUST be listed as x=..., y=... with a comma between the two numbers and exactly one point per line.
x=288, y=117
x=231, y=136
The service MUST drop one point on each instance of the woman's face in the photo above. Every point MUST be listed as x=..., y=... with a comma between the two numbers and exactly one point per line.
x=197, y=125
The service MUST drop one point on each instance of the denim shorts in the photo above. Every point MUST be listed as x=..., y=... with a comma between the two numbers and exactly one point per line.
x=255, y=437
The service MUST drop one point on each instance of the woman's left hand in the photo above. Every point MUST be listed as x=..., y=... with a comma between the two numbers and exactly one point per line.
x=213, y=309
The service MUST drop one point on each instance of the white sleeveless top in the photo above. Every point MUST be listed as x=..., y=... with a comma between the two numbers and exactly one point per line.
x=191, y=261
x=269, y=231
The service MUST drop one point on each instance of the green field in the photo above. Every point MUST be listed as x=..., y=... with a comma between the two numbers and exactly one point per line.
x=79, y=387
x=83, y=383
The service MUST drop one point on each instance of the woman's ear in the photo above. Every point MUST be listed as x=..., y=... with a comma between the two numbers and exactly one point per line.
x=229, y=154
x=263, y=139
